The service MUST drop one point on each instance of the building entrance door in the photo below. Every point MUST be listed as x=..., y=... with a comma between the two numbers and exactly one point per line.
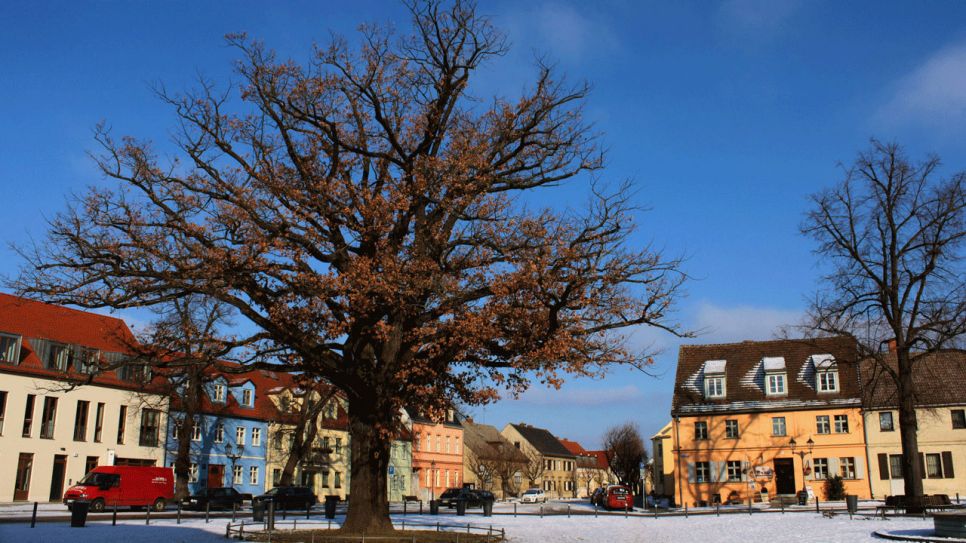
x=216, y=475
x=57, y=477
x=21, y=486
x=784, y=476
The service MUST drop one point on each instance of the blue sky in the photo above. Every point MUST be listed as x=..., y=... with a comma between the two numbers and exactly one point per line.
x=725, y=115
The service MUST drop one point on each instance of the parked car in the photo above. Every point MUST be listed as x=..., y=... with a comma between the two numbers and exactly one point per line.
x=618, y=497
x=288, y=497
x=597, y=496
x=472, y=497
x=215, y=498
x=534, y=495
x=129, y=486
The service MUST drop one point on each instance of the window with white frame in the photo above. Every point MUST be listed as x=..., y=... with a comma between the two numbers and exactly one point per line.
x=219, y=393
x=822, y=424
x=240, y=435
x=253, y=475
x=256, y=437
x=828, y=381
x=236, y=475
x=196, y=431
x=820, y=468
x=776, y=384
x=700, y=430
x=247, y=398
x=934, y=466
x=734, y=470
x=193, y=473
x=847, y=467
x=731, y=429
x=714, y=387
x=841, y=424
x=702, y=472
x=778, y=428
x=220, y=433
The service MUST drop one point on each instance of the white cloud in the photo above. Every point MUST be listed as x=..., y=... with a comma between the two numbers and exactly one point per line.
x=738, y=323
x=934, y=93
x=558, y=29
x=751, y=18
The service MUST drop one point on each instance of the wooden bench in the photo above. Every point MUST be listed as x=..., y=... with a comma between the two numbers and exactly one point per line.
x=929, y=502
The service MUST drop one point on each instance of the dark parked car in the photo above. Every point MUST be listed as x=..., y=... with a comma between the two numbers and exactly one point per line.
x=216, y=498
x=288, y=497
x=472, y=497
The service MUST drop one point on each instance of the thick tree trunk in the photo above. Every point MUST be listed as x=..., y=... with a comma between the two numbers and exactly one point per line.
x=908, y=427
x=369, y=460
x=182, y=460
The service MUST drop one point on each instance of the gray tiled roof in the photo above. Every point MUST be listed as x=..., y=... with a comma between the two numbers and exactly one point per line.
x=542, y=440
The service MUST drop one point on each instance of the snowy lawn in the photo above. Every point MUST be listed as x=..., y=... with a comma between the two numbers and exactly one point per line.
x=763, y=528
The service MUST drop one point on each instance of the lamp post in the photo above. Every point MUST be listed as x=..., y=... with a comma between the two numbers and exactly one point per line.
x=801, y=454
x=432, y=480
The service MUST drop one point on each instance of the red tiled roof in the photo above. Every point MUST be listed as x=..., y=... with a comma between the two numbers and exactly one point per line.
x=573, y=447
x=601, y=459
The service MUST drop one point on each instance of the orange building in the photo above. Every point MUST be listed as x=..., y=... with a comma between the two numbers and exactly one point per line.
x=437, y=456
x=764, y=419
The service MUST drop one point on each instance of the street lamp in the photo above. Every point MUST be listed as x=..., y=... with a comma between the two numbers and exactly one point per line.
x=801, y=454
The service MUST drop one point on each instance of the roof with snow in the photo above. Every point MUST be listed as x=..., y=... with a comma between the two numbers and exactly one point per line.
x=715, y=366
x=747, y=364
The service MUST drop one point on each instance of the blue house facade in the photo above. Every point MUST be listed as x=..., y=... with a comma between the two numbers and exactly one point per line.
x=229, y=441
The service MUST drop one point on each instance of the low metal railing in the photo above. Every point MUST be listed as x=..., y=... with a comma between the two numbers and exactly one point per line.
x=246, y=529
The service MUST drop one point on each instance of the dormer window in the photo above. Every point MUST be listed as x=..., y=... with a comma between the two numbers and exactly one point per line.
x=714, y=379
x=219, y=395
x=9, y=348
x=826, y=372
x=775, y=376
x=247, y=398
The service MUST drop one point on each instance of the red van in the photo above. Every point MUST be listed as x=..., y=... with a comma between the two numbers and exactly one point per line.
x=131, y=486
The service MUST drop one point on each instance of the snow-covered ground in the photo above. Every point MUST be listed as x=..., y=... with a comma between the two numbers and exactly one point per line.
x=758, y=528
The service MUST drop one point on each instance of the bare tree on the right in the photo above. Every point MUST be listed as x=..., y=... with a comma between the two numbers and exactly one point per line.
x=892, y=232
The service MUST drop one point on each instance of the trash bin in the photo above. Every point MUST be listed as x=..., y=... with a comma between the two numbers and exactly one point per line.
x=803, y=498
x=330, y=503
x=78, y=513
x=488, y=508
x=852, y=502
x=258, y=511
x=433, y=507
x=460, y=508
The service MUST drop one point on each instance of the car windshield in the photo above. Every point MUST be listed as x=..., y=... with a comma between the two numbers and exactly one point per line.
x=272, y=492
x=450, y=493
x=99, y=479
x=620, y=491
x=532, y=492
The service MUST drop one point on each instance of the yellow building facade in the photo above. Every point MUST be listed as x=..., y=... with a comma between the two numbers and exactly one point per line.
x=756, y=420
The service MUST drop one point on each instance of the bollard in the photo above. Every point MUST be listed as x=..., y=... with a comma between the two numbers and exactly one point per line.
x=308, y=510
x=285, y=513
x=717, y=509
x=147, y=516
x=114, y=516
x=404, y=525
x=437, y=525
x=228, y=530
x=568, y=510
x=420, y=507
x=467, y=528
x=241, y=532
x=781, y=502
x=595, y=510
x=330, y=524
x=514, y=510
x=207, y=512
x=957, y=498
x=404, y=507
x=749, y=504
x=33, y=518
x=234, y=510
x=685, y=510
x=816, y=505
x=541, y=511
x=625, y=510
x=179, y=513
x=295, y=524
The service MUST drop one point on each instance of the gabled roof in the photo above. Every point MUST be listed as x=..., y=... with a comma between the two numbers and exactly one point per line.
x=487, y=443
x=601, y=457
x=939, y=379
x=664, y=433
x=745, y=368
x=542, y=440
x=574, y=447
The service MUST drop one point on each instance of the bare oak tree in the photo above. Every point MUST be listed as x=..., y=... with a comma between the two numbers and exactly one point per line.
x=625, y=451
x=892, y=235
x=361, y=211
